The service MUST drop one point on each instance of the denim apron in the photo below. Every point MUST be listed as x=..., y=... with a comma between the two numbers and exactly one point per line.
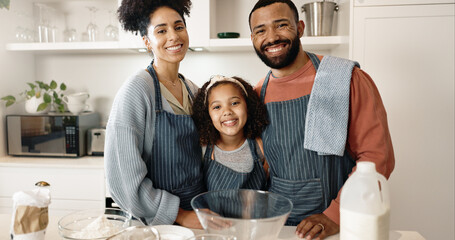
x=311, y=181
x=176, y=164
x=220, y=177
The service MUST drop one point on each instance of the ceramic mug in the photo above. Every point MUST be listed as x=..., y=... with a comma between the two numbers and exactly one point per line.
x=76, y=98
x=77, y=108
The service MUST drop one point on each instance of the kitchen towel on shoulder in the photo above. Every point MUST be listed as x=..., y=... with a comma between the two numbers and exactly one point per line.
x=30, y=214
x=328, y=107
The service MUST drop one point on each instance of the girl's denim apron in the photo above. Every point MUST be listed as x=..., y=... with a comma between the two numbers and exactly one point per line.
x=176, y=164
x=310, y=180
x=219, y=177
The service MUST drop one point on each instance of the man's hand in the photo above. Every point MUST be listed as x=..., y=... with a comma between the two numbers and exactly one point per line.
x=316, y=224
x=188, y=219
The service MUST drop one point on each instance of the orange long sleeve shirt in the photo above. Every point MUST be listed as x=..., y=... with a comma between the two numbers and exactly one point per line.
x=368, y=133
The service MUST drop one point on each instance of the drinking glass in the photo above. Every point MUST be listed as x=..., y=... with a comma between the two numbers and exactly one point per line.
x=111, y=31
x=52, y=24
x=20, y=32
x=43, y=23
x=92, y=29
x=69, y=34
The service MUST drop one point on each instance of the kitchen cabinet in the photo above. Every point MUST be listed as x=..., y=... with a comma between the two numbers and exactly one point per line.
x=76, y=184
x=408, y=50
x=207, y=18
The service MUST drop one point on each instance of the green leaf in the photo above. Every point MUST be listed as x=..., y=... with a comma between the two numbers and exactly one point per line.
x=9, y=103
x=32, y=86
x=4, y=4
x=9, y=98
x=53, y=85
x=62, y=87
x=43, y=85
x=61, y=108
x=57, y=101
x=31, y=93
x=55, y=94
x=47, y=98
x=42, y=107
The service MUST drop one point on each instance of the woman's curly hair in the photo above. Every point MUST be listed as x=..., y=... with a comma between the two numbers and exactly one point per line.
x=257, y=113
x=134, y=15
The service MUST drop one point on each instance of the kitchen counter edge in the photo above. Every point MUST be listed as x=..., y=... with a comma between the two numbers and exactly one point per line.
x=94, y=162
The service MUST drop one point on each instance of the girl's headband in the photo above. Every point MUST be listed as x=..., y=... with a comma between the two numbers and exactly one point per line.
x=219, y=78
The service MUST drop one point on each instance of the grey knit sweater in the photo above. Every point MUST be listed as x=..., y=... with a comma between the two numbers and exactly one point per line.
x=129, y=140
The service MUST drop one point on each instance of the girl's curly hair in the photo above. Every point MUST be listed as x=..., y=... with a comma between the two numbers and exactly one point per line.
x=257, y=113
x=134, y=15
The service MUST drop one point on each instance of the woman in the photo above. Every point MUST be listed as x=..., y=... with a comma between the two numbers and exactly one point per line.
x=152, y=157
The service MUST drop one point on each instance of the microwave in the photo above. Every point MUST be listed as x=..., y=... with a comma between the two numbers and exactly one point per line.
x=52, y=135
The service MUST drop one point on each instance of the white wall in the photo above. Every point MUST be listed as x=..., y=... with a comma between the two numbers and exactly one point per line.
x=102, y=75
x=15, y=70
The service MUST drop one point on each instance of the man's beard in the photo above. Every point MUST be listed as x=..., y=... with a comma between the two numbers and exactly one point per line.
x=283, y=60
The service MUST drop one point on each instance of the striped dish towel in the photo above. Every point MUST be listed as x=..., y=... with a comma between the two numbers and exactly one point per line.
x=327, y=114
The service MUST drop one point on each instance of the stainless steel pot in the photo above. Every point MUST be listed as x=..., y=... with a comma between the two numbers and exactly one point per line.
x=319, y=17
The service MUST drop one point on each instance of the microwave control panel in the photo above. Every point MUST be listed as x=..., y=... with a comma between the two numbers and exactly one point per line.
x=72, y=139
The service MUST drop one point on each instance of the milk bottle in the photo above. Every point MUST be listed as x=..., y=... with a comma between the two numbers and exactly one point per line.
x=365, y=205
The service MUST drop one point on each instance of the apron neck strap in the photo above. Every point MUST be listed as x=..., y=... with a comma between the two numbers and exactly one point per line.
x=314, y=59
x=156, y=84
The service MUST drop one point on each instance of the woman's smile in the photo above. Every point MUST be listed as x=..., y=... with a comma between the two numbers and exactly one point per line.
x=175, y=47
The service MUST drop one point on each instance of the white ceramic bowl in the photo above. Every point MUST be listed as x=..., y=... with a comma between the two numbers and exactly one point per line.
x=245, y=214
x=95, y=224
x=137, y=233
x=77, y=108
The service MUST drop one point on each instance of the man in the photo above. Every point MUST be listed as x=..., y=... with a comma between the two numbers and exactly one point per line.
x=311, y=178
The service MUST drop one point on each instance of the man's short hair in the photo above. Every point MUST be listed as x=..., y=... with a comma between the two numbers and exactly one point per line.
x=264, y=3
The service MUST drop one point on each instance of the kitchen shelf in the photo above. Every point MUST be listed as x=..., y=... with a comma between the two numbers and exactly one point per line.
x=63, y=47
x=308, y=43
x=207, y=19
x=215, y=45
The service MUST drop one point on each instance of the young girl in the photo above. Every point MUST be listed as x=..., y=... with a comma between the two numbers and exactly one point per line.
x=230, y=119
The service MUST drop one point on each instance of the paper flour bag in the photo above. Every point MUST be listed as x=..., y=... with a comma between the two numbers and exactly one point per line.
x=30, y=214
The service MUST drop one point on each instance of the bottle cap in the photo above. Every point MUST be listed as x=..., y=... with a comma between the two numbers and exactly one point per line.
x=366, y=167
x=42, y=184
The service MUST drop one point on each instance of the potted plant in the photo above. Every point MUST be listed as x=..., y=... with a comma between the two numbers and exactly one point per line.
x=40, y=96
x=4, y=4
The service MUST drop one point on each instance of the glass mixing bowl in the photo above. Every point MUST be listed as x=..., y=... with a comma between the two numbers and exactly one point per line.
x=137, y=233
x=245, y=214
x=95, y=224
